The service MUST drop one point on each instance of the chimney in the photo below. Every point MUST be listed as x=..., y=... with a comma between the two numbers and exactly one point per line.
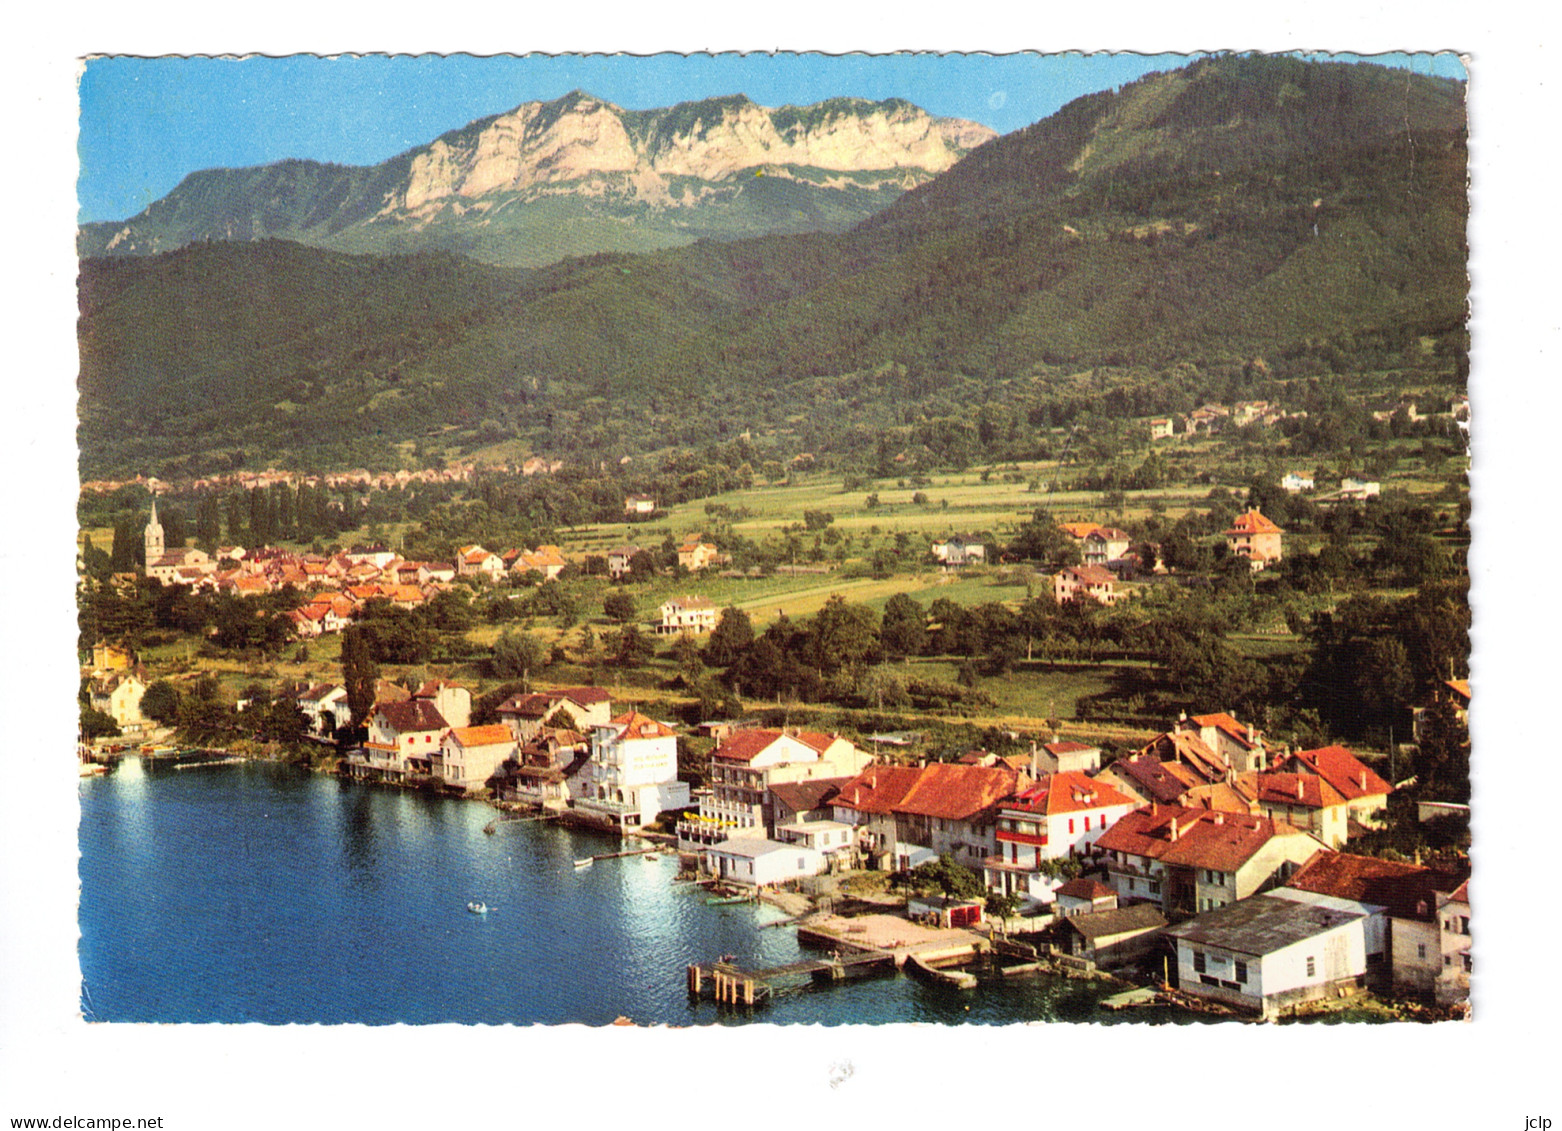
x=1034, y=771
x=1173, y=830
x=1363, y=779
x=1220, y=818
x=1298, y=787
x=1250, y=734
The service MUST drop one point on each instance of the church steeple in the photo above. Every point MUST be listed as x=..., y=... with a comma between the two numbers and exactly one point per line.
x=153, y=539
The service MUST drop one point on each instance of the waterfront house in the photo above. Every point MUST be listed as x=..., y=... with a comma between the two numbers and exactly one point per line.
x=404, y=736
x=1365, y=793
x=1083, y=894
x=794, y=802
x=1191, y=860
x=469, y=756
x=747, y=765
x=632, y=775
x=906, y=815
x=833, y=840
x=325, y=706
x=1453, y=922
x=1305, y=801
x=1061, y=815
x=692, y=615
x=1115, y=936
x=757, y=862
x=1269, y=954
x=118, y=695
x=1256, y=538
x=548, y=769
x=1092, y=582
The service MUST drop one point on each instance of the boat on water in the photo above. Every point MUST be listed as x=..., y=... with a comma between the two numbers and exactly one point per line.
x=718, y=900
x=586, y=862
x=477, y=907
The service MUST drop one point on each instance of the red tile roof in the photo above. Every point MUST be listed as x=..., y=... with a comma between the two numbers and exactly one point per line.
x=1083, y=888
x=1253, y=523
x=633, y=725
x=1066, y=747
x=1344, y=771
x=1221, y=721
x=945, y=790
x=1189, y=749
x=1407, y=890
x=1067, y=792
x=746, y=745
x=1092, y=574
x=411, y=715
x=493, y=734
x=1198, y=838
x=1306, y=791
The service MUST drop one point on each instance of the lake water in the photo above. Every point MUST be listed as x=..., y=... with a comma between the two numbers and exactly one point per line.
x=259, y=892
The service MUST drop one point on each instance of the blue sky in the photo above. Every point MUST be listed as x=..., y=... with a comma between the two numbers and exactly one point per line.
x=146, y=123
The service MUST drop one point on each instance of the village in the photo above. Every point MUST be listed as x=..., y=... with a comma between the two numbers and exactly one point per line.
x=1211, y=864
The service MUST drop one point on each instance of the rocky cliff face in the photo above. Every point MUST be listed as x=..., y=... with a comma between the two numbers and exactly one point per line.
x=722, y=167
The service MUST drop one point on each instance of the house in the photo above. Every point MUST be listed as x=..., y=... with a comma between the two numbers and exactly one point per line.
x=1078, y=530
x=325, y=706
x=831, y=839
x=748, y=765
x=1116, y=936
x=474, y=561
x=1061, y=815
x=1105, y=544
x=468, y=756
x=1256, y=538
x=451, y=700
x=959, y=551
x=1359, y=489
x=1304, y=801
x=1060, y=756
x=632, y=776
x=1400, y=899
x=618, y=560
x=1192, y=860
x=1083, y=894
x=1365, y=793
x=756, y=862
x=547, y=560
x=696, y=555
x=404, y=737
x=1294, y=481
x=1188, y=748
x=578, y=708
x=110, y=657
x=118, y=695
x=692, y=615
x=1270, y=954
x=1149, y=780
x=1163, y=428
x=547, y=769
x=1451, y=693
x=944, y=911
x=905, y=815
x=1094, y=582
x=1453, y=922
x=376, y=556
x=639, y=506
x=1240, y=745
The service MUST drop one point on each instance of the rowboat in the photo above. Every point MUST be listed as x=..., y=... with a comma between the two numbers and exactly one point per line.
x=477, y=907
x=585, y=862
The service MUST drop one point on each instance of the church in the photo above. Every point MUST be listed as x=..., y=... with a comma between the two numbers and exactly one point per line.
x=173, y=567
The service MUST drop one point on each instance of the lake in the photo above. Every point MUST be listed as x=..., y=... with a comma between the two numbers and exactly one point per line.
x=261, y=892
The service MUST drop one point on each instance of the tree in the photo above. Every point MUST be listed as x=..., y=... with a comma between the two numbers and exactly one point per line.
x=516, y=656
x=733, y=636
x=953, y=880
x=360, y=672
x=904, y=630
x=841, y=633
x=633, y=648
x=161, y=702
x=1002, y=906
x=619, y=606
x=97, y=724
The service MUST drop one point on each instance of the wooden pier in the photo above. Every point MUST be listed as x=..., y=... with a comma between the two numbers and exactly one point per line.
x=728, y=984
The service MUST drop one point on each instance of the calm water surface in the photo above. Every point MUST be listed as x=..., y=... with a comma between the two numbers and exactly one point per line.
x=264, y=893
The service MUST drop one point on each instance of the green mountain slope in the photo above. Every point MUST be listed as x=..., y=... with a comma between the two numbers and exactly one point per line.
x=1238, y=208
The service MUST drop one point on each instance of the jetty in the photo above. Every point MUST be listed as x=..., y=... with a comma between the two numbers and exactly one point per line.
x=728, y=984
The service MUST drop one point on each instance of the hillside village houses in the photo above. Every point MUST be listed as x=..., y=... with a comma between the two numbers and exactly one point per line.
x=695, y=555
x=639, y=506
x=1256, y=538
x=689, y=615
x=958, y=551
x=1092, y=582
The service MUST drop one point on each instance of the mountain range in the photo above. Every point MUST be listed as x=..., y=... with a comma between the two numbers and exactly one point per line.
x=1241, y=209
x=572, y=176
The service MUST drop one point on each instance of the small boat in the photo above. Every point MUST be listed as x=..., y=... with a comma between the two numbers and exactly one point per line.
x=717, y=900
x=649, y=856
x=477, y=907
x=586, y=862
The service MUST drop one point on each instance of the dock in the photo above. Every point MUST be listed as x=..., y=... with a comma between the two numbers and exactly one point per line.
x=728, y=984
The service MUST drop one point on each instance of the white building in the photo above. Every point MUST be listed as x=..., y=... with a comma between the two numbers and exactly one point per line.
x=1270, y=954
x=1061, y=815
x=633, y=773
x=758, y=862
x=694, y=615
x=468, y=756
